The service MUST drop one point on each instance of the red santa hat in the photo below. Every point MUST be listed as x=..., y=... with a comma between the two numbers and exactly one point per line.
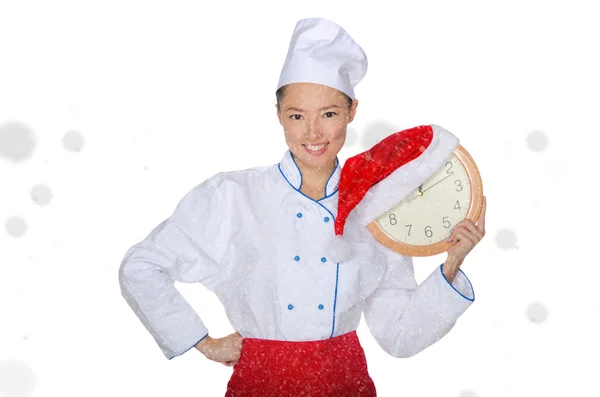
x=374, y=181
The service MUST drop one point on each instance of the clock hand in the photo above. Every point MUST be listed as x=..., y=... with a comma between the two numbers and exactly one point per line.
x=436, y=183
x=413, y=195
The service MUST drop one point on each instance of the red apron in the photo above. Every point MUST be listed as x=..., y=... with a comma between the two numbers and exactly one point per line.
x=335, y=367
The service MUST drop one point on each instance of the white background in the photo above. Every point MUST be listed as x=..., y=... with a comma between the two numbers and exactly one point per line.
x=132, y=103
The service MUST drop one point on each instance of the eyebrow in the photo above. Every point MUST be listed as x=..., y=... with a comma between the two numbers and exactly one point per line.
x=324, y=108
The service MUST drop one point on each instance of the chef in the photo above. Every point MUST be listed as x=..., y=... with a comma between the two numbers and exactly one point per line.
x=285, y=247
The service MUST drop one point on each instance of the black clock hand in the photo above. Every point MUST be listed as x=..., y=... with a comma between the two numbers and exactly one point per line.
x=414, y=195
x=435, y=183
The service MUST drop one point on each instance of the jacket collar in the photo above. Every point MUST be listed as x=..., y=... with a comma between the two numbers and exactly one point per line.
x=291, y=172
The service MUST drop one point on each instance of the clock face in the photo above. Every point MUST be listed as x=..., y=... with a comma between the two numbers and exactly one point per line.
x=428, y=214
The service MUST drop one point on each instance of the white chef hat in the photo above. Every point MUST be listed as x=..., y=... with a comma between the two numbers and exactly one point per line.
x=322, y=52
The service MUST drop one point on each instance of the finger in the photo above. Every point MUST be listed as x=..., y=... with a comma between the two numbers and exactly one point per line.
x=470, y=226
x=450, y=238
x=463, y=235
x=481, y=219
x=463, y=222
x=458, y=226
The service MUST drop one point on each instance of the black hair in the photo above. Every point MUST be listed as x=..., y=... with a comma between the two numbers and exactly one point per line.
x=280, y=92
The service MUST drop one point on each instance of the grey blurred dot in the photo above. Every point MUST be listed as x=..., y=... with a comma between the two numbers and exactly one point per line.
x=351, y=137
x=375, y=132
x=506, y=239
x=16, y=141
x=25, y=337
x=15, y=226
x=73, y=141
x=17, y=379
x=537, y=141
x=145, y=167
x=467, y=393
x=41, y=194
x=537, y=313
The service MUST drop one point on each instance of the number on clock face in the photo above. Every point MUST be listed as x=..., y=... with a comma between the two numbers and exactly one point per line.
x=428, y=214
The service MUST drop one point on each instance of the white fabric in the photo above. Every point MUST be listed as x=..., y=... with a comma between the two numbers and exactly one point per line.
x=404, y=180
x=240, y=235
x=322, y=52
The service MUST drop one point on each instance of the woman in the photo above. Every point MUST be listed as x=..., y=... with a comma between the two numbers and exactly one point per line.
x=262, y=240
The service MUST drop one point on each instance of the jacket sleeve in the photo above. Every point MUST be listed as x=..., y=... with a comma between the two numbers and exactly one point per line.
x=184, y=248
x=404, y=317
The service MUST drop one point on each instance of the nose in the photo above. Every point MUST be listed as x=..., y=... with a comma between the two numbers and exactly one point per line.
x=313, y=130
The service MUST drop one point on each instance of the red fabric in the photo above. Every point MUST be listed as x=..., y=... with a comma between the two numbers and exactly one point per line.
x=364, y=170
x=335, y=367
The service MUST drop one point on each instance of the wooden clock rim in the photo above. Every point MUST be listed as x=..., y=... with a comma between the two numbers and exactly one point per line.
x=476, y=204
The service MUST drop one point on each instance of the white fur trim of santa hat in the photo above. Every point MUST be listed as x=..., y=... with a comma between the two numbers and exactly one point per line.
x=339, y=250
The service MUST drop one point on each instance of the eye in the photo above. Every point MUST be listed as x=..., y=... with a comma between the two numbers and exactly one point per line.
x=293, y=116
x=331, y=114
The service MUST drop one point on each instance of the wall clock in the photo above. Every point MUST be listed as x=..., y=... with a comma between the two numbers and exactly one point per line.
x=420, y=223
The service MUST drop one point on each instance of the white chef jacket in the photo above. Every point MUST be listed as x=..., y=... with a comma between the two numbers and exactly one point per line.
x=259, y=244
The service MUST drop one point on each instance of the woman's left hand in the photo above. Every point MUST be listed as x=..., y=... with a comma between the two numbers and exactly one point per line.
x=465, y=236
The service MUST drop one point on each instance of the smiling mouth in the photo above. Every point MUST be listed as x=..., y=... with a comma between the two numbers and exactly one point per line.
x=315, y=148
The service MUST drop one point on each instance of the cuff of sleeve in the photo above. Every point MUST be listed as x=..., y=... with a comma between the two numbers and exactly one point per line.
x=180, y=332
x=194, y=344
x=461, y=284
x=450, y=301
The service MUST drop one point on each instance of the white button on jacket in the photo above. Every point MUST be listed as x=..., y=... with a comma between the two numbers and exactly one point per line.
x=260, y=244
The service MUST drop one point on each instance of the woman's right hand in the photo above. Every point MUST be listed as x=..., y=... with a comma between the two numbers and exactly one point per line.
x=226, y=350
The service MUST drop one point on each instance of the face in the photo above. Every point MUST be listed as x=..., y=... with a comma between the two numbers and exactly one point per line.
x=314, y=119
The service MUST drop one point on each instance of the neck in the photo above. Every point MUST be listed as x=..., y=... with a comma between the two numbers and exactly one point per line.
x=316, y=177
